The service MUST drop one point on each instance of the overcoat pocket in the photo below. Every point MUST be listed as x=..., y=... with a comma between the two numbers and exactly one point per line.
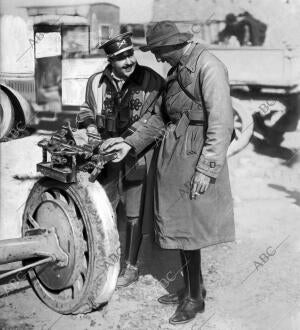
x=193, y=140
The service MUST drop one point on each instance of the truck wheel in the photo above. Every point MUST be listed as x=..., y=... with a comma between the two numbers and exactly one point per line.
x=86, y=229
x=243, y=126
x=7, y=115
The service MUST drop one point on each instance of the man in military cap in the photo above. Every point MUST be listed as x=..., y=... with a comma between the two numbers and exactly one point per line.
x=122, y=104
x=193, y=202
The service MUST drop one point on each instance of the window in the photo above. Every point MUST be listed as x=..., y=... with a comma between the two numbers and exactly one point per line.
x=100, y=34
x=104, y=32
x=75, y=41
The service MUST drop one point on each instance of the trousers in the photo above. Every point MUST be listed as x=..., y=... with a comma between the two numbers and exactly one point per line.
x=119, y=189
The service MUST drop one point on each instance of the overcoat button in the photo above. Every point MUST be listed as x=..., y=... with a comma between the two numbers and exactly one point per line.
x=212, y=164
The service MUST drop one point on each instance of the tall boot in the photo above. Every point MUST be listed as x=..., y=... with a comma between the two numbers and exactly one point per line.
x=129, y=273
x=195, y=274
x=193, y=303
x=176, y=297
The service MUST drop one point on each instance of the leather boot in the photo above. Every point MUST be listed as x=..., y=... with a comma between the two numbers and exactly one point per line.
x=129, y=273
x=176, y=297
x=194, y=302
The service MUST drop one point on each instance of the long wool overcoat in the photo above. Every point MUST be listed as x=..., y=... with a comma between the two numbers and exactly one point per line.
x=180, y=222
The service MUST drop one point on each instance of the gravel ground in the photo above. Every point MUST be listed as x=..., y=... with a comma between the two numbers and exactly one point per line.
x=253, y=283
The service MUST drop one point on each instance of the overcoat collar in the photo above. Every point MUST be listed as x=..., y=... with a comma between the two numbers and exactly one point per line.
x=190, y=58
x=186, y=66
x=188, y=63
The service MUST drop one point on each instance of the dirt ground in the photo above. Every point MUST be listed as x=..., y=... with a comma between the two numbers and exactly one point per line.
x=253, y=283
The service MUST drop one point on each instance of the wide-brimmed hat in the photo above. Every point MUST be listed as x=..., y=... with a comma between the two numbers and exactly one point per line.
x=164, y=33
x=117, y=45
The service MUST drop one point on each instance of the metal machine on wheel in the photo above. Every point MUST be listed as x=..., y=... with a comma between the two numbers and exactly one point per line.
x=70, y=244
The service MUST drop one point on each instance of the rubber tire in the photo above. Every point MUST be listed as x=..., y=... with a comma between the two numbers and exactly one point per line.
x=7, y=115
x=103, y=241
x=245, y=116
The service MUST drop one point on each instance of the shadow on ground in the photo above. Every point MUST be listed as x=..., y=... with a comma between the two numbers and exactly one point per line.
x=294, y=194
x=290, y=156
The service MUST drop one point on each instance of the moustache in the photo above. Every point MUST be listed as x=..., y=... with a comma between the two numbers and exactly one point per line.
x=127, y=66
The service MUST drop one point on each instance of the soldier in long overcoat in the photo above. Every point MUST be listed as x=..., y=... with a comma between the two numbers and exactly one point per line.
x=193, y=201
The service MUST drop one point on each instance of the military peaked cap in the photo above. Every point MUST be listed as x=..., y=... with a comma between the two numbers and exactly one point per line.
x=117, y=45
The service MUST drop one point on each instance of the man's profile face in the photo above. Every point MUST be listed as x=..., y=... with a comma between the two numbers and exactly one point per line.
x=124, y=64
x=165, y=54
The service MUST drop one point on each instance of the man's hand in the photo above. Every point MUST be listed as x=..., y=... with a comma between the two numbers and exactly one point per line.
x=199, y=184
x=121, y=148
x=109, y=143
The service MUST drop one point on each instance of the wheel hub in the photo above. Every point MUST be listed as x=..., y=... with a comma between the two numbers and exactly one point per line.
x=57, y=214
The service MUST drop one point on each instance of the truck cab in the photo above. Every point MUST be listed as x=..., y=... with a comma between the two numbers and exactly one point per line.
x=64, y=55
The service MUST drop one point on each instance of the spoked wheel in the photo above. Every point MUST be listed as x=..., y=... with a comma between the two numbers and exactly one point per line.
x=243, y=126
x=86, y=229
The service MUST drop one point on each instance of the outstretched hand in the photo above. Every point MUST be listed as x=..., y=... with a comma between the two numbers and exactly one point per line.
x=199, y=184
x=109, y=143
x=121, y=148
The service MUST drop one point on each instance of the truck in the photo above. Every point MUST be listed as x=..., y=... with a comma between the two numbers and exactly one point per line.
x=44, y=83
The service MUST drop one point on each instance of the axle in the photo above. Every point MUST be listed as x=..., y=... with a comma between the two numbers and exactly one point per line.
x=36, y=243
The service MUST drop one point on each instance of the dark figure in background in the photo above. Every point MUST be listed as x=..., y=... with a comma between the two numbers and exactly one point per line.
x=230, y=29
x=122, y=105
x=248, y=30
x=193, y=205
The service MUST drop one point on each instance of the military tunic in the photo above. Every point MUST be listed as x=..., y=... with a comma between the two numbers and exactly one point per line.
x=113, y=110
x=181, y=222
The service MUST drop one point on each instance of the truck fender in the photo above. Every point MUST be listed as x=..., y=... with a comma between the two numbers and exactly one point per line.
x=23, y=109
x=243, y=126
